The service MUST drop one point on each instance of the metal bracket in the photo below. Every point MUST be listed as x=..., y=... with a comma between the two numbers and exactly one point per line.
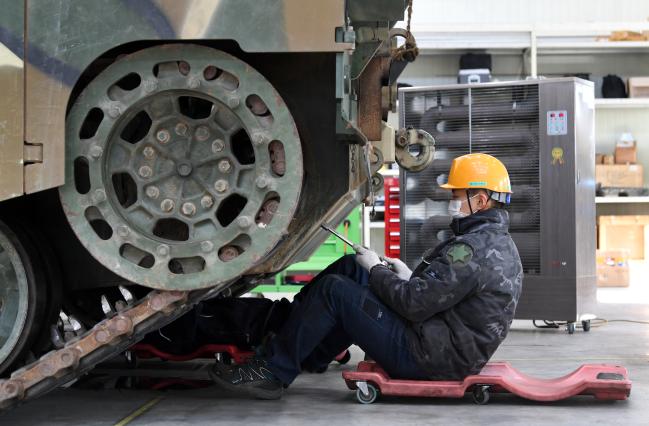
x=32, y=153
x=363, y=388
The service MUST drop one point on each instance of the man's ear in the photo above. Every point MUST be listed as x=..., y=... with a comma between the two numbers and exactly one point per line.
x=484, y=200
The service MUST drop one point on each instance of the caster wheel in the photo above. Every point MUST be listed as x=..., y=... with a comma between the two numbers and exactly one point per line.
x=481, y=395
x=586, y=325
x=571, y=328
x=372, y=395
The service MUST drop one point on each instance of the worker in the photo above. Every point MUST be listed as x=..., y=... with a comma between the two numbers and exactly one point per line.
x=441, y=322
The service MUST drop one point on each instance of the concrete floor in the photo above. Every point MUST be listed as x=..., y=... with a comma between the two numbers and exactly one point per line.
x=324, y=399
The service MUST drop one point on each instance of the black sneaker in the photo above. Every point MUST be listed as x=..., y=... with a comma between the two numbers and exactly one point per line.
x=252, y=378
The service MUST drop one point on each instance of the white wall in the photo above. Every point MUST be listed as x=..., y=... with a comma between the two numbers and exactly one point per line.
x=520, y=12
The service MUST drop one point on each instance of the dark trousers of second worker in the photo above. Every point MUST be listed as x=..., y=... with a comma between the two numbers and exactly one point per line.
x=335, y=310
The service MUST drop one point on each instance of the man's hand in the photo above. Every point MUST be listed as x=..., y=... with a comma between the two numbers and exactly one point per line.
x=399, y=268
x=366, y=257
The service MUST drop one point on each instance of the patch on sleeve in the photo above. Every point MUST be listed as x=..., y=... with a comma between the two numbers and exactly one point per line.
x=459, y=254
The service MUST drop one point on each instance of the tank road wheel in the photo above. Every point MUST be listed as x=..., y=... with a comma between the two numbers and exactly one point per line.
x=184, y=167
x=21, y=299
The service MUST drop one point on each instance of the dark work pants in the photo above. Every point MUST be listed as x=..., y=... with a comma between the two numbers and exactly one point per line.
x=335, y=310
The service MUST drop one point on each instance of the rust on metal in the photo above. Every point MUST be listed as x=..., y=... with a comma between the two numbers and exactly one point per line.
x=370, y=113
x=109, y=331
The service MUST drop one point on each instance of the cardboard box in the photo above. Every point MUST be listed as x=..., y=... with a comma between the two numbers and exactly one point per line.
x=619, y=175
x=638, y=87
x=608, y=159
x=630, y=233
x=599, y=158
x=612, y=268
x=626, y=153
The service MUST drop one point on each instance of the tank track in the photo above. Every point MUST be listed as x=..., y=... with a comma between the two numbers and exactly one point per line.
x=107, y=338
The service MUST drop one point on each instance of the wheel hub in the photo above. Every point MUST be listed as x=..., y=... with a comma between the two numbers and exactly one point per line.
x=13, y=297
x=178, y=174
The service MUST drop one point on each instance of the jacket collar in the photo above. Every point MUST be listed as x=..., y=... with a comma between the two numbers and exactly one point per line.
x=494, y=219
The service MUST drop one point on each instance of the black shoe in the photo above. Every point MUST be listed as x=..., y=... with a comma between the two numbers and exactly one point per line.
x=252, y=378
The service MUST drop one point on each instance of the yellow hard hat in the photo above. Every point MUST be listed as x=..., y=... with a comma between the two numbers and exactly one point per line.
x=478, y=171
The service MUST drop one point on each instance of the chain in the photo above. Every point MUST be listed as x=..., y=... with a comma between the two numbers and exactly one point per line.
x=106, y=339
x=409, y=50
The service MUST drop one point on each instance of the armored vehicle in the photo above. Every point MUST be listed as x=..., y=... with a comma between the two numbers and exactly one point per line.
x=157, y=152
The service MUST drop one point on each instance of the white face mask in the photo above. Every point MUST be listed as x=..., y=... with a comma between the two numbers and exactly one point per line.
x=454, y=208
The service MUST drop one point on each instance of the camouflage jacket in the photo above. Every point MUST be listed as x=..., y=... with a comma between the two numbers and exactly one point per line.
x=460, y=300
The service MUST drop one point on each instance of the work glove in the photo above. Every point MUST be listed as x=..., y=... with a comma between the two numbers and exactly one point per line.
x=399, y=268
x=366, y=257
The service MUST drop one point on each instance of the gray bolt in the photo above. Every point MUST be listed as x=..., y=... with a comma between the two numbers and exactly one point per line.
x=163, y=136
x=98, y=196
x=188, y=209
x=207, y=246
x=114, y=111
x=194, y=83
x=167, y=205
x=207, y=201
x=224, y=166
x=96, y=151
x=233, y=101
x=217, y=146
x=184, y=169
x=145, y=171
x=181, y=129
x=162, y=250
x=258, y=138
x=262, y=181
x=123, y=231
x=221, y=185
x=202, y=133
x=148, y=152
x=150, y=86
x=152, y=192
x=244, y=222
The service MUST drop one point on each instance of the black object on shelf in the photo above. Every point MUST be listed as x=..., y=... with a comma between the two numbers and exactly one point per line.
x=613, y=87
x=471, y=61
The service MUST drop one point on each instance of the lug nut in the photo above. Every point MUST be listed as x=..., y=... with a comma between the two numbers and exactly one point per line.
x=244, y=222
x=96, y=151
x=148, y=152
x=181, y=129
x=217, y=146
x=194, y=83
x=207, y=246
x=207, y=201
x=163, y=136
x=114, y=111
x=123, y=231
x=162, y=250
x=152, y=192
x=221, y=185
x=150, y=86
x=145, y=171
x=258, y=138
x=202, y=133
x=233, y=101
x=167, y=205
x=262, y=181
x=98, y=196
x=188, y=209
x=224, y=166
